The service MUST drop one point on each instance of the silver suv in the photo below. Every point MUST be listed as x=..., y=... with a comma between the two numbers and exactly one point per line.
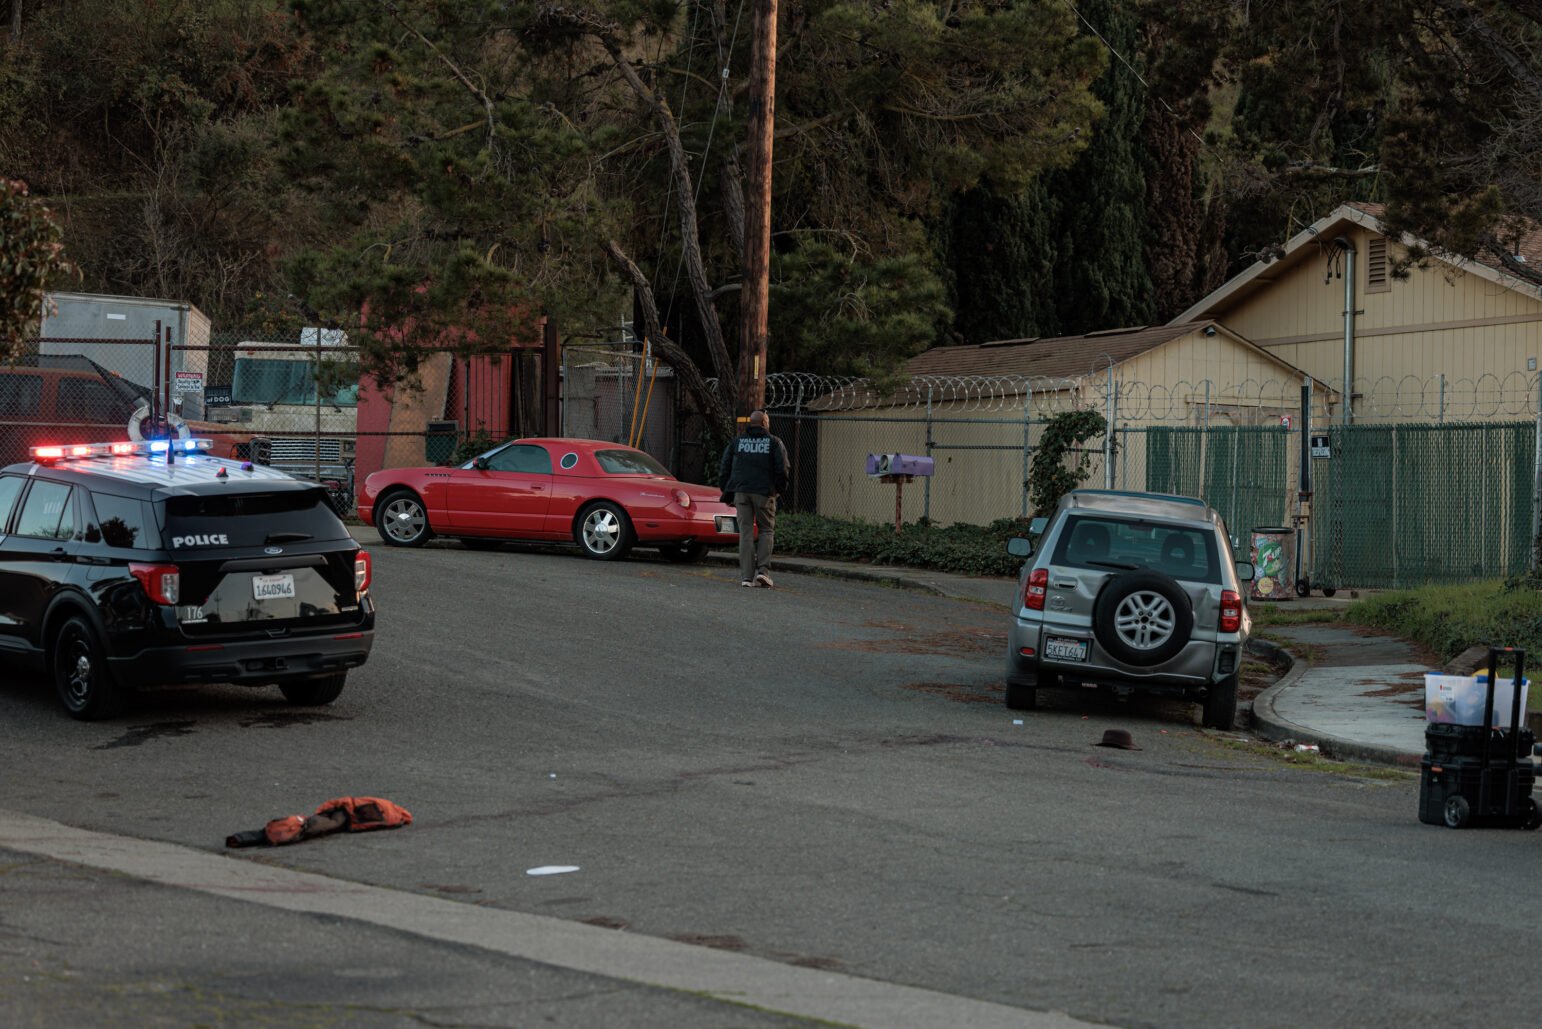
x=1130, y=591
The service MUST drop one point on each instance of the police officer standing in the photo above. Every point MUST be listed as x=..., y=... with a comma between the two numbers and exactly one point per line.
x=755, y=469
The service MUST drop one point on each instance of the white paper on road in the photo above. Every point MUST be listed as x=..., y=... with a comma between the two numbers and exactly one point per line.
x=551, y=869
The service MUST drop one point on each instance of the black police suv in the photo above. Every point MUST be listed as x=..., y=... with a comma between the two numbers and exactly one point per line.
x=126, y=565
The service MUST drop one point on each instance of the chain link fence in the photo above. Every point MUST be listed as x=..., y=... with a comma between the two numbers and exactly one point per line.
x=1436, y=480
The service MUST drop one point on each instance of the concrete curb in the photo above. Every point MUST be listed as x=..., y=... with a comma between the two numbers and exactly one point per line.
x=1271, y=725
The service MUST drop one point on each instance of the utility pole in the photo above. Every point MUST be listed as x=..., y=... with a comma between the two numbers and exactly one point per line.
x=753, y=297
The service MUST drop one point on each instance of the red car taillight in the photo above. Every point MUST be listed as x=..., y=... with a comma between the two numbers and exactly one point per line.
x=361, y=571
x=1038, y=583
x=162, y=583
x=682, y=498
x=1231, y=611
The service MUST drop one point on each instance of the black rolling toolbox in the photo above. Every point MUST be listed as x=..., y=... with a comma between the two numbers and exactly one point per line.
x=1475, y=775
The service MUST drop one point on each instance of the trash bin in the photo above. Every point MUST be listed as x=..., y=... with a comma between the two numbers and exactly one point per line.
x=439, y=441
x=1274, y=563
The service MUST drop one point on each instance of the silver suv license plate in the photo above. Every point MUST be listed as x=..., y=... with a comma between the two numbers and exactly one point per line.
x=1060, y=648
x=272, y=587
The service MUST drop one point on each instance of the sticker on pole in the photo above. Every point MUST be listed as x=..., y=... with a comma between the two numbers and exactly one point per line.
x=187, y=382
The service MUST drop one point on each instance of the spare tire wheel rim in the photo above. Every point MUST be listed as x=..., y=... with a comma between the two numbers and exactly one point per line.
x=1145, y=620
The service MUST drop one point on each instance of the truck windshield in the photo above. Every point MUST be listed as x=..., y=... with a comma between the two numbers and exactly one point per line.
x=293, y=381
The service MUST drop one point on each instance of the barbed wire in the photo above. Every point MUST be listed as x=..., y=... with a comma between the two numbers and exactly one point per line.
x=1408, y=398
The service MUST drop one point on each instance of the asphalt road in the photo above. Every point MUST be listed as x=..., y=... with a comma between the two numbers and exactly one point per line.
x=820, y=775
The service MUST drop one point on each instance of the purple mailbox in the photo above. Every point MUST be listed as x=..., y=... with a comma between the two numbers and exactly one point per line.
x=899, y=464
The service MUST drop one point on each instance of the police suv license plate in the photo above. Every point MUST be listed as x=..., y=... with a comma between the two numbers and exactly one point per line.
x=272, y=587
x=727, y=523
x=1062, y=648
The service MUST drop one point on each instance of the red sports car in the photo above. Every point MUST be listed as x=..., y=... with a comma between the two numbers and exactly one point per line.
x=603, y=496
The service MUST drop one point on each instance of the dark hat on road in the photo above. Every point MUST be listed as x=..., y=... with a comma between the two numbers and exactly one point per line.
x=1117, y=738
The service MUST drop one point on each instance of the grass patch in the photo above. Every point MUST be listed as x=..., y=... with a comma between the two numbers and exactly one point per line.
x=1449, y=619
x=1316, y=762
x=1274, y=614
x=1311, y=653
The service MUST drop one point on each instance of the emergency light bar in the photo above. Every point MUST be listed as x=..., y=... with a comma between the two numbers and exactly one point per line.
x=70, y=451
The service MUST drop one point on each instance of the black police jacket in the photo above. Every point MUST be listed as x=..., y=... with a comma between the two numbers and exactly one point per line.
x=754, y=463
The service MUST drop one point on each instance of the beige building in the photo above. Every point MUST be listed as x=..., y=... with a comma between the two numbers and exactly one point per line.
x=979, y=411
x=1455, y=339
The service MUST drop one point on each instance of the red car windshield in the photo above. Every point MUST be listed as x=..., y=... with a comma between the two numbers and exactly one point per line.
x=628, y=462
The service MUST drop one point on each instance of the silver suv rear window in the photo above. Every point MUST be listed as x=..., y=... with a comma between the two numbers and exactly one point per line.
x=1180, y=551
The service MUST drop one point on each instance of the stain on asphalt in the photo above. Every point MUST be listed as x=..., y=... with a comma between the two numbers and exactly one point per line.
x=284, y=719
x=606, y=922
x=448, y=888
x=966, y=642
x=957, y=692
x=139, y=734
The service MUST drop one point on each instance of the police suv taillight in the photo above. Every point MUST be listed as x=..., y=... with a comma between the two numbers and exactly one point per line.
x=362, y=570
x=162, y=583
x=1038, y=584
x=1231, y=611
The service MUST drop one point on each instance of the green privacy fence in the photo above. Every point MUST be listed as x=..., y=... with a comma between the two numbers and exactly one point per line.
x=1406, y=505
x=1244, y=472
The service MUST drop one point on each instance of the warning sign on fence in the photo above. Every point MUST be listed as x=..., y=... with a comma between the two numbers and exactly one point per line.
x=187, y=382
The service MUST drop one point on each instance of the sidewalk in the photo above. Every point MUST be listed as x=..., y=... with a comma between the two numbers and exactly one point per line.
x=1357, y=696
x=1360, y=697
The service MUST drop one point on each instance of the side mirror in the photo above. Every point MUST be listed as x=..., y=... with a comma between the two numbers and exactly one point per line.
x=480, y=464
x=1020, y=546
x=1245, y=571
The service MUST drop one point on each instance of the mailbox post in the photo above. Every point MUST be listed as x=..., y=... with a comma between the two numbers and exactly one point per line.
x=899, y=469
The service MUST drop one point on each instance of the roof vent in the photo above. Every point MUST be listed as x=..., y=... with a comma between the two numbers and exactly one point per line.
x=1117, y=332
x=1376, y=279
x=1011, y=342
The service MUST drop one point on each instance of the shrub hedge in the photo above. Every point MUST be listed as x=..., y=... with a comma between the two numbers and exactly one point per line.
x=962, y=549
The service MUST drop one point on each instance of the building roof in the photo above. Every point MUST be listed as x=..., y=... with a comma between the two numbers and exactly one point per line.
x=1012, y=367
x=1307, y=244
x=1053, y=357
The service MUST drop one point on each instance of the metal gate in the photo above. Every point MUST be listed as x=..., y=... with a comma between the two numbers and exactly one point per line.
x=1407, y=505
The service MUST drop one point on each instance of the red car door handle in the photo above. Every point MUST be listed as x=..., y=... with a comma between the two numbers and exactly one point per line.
x=536, y=486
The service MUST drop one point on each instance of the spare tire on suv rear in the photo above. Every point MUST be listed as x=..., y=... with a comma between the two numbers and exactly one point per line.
x=1142, y=618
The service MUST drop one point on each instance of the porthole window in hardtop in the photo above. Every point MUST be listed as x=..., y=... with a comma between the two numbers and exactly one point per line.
x=521, y=457
x=628, y=462
x=569, y=460
x=47, y=512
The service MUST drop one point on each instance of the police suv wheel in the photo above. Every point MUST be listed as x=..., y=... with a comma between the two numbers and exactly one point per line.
x=80, y=673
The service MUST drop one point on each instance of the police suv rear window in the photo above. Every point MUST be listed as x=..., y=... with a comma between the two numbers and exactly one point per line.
x=251, y=520
x=121, y=522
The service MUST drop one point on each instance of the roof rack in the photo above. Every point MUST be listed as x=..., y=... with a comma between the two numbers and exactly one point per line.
x=1136, y=493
